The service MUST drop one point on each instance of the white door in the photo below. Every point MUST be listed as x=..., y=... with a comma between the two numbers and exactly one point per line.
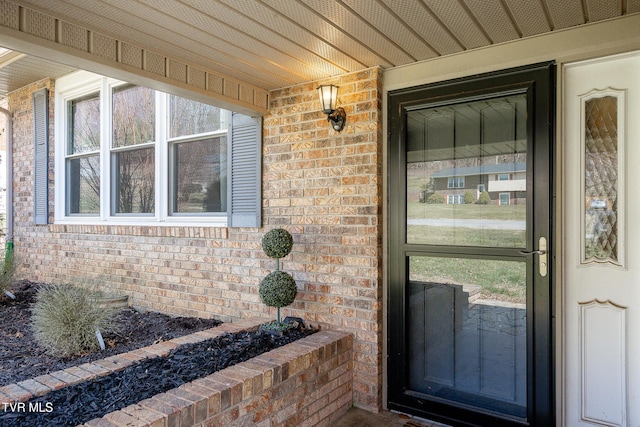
x=602, y=242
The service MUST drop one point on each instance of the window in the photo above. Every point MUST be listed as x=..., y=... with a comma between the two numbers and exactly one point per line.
x=503, y=177
x=83, y=155
x=455, y=199
x=198, y=164
x=505, y=199
x=456, y=182
x=135, y=155
x=133, y=150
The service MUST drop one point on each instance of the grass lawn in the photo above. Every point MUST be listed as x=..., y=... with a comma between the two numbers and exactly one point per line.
x=499, y=280
x=471, y=211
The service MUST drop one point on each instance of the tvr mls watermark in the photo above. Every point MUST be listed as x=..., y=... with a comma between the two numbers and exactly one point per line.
x=28, y=407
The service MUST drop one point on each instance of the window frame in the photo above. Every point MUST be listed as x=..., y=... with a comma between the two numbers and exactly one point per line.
x=83, y=83
x=455, y=199
x=172, y=144
x=455, y=182
x=504, y=195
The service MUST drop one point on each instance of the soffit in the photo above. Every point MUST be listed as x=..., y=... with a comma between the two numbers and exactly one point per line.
x=270, y=44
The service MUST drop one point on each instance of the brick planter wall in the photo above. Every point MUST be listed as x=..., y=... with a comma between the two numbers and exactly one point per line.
x=305, y=383
x=322, y=186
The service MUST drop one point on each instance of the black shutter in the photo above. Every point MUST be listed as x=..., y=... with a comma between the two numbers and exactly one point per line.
x=41, y=154
x=245, y=159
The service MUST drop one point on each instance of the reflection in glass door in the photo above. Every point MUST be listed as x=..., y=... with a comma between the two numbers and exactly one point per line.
x=466, y=270
x=467, y=317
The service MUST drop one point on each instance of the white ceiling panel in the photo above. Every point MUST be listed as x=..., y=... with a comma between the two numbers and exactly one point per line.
x=270, y=44
x=456, y=17
x=426, y=24
x=530, y=16
x=494, y=20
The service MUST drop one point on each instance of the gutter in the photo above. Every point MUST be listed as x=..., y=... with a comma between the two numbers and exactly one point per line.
x=9, y=160
x=8, y=251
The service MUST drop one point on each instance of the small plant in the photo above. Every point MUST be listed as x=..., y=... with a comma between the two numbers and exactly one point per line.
x=8, y=267
x=484, y=199
x=66, y=320
x=278, y=289
x=468, y=197
x=436, y=199
x=277, y=243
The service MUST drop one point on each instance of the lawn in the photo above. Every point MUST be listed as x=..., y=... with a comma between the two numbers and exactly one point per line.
x=499, y=280
x=417, y=210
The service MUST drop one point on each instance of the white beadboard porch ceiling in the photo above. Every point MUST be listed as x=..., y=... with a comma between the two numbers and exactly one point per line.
x=271, y=44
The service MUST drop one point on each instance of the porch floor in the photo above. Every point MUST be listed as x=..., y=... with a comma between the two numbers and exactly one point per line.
x=356, y=417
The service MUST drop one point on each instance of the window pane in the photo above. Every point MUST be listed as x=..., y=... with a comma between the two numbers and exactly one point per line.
x=133, y=116
x=191, y=117
x=134, y=181
x=84, y=124
x=456, y=156
x=200, y=173
x=467, y=327
x=601, y=178
x=83, y=185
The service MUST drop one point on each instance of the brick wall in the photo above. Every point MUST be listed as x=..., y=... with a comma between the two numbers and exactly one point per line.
x=322, y=186
x=305, y=383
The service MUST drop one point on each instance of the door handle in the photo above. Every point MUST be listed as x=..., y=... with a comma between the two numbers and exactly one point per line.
x=542, y=256
x=538, y=252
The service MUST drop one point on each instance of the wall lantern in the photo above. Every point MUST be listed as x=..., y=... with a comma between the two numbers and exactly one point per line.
x=328, y=98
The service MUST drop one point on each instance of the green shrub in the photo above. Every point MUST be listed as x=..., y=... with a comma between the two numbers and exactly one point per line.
x=277, y=243
x=65, y=318
x=436, y=199
x=468, y=197
x=484, y=198
x=8, y=267
x=278, y=289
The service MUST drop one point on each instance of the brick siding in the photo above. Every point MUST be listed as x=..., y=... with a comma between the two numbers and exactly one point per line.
x=322, y=186
x=305, y=383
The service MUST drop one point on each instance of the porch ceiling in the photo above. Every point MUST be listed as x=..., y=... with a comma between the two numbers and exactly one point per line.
x=271, y=44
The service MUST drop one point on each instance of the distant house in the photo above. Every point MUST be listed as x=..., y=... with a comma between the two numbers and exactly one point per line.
x=506, y=183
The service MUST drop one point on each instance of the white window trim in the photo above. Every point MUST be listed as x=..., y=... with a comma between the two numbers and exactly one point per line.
x=455, y=180
x=508, y=195
x=455, y=199
x=83, y=83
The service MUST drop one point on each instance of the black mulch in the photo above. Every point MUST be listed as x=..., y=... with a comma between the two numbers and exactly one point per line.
x=21, y=358
x=83, y=402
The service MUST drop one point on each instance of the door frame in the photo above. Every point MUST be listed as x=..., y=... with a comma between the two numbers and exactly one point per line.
x=539, y=79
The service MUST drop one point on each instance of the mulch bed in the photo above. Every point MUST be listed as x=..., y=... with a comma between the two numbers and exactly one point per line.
x=20, y=358
x=83, y=402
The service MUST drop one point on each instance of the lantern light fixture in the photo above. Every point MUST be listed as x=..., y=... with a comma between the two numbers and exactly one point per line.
x=328, y=95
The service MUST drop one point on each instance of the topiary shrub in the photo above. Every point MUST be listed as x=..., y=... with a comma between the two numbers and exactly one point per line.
x=65, y=319
x=277, y=243
x=484, y=199
x=278, y=289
